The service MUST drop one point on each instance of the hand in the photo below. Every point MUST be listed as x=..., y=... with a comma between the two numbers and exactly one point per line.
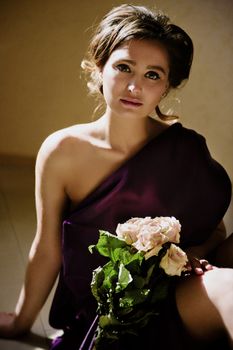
x=195, y=263
x=8, y=327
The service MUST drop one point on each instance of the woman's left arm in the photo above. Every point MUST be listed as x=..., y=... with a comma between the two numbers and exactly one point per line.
x=197, y=254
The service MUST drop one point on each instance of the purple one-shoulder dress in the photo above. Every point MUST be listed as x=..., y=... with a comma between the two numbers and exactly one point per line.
x=172, y=175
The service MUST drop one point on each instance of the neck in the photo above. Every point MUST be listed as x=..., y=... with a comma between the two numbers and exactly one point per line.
x=126, y=134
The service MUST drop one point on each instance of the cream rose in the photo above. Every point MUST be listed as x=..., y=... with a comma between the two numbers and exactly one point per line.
x=150, y=240
x=174, y=261
x=170, y=227
x=149, y=234
x=130, y=230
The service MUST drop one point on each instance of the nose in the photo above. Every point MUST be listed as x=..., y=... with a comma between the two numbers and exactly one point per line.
x=134, y=88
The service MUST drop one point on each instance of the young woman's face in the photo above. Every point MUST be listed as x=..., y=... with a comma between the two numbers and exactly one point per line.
x=135, y=77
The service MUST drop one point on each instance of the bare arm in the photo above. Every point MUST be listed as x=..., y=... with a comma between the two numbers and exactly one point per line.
x=45, y=253
x=198, y=254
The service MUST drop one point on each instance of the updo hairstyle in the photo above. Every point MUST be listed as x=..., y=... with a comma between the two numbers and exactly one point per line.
x=127, y=22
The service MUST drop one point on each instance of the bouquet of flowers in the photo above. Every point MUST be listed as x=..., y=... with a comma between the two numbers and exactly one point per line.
x=131, y=286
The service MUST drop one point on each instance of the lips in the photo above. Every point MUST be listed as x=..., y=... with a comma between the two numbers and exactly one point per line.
x=131, y=102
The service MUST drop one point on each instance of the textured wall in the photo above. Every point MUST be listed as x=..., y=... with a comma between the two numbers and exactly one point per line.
x=43, y=42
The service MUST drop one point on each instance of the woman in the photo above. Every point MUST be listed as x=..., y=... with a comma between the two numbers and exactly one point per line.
x=95, y=175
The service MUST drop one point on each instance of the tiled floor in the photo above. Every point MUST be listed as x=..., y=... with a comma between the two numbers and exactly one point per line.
x=17, y=228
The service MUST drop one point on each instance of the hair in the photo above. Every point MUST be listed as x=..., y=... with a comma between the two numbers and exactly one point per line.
x=127, y=22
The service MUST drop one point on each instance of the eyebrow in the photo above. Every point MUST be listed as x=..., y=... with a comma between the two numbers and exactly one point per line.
x=156, y=67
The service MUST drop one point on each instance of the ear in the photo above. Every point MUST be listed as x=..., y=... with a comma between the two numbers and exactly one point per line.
x=166, y=92
x=100, y=70
x=100, y=75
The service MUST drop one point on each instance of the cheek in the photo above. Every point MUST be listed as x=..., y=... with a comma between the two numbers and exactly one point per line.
x=107, y=83
x=154, y=97
x=113, y=85
x=110, y=91
x=155, y=92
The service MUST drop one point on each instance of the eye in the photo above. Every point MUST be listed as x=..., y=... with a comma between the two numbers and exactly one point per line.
x=123, y=68
x=152, y=75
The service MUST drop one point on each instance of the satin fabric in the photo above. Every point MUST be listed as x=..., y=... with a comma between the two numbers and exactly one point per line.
x=172, y=175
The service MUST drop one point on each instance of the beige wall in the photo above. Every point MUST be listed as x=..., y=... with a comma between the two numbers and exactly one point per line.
x=41, y=47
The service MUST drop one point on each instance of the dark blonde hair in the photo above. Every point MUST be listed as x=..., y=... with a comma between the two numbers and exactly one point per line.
x=127, y=22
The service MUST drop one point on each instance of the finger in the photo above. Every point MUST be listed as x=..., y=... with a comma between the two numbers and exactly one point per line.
x=188, y=266
x=198, y=271
x=206, y=265
x=197, y=266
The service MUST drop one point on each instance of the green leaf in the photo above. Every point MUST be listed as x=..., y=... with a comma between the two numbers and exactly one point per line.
x=110, y=276
x=135, y=266
x=96, y=283
x=103, y=283
x=107, y=243
x=149, y=274
x=134, y=297
x=124, y=278
x=139, y=282
x=91, y=248
x=107, y=320
x=126, y=255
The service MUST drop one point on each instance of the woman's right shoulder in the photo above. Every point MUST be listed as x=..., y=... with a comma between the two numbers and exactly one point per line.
x=65, y=144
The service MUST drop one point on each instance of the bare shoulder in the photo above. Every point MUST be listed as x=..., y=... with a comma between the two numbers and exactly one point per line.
x=64, y=144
